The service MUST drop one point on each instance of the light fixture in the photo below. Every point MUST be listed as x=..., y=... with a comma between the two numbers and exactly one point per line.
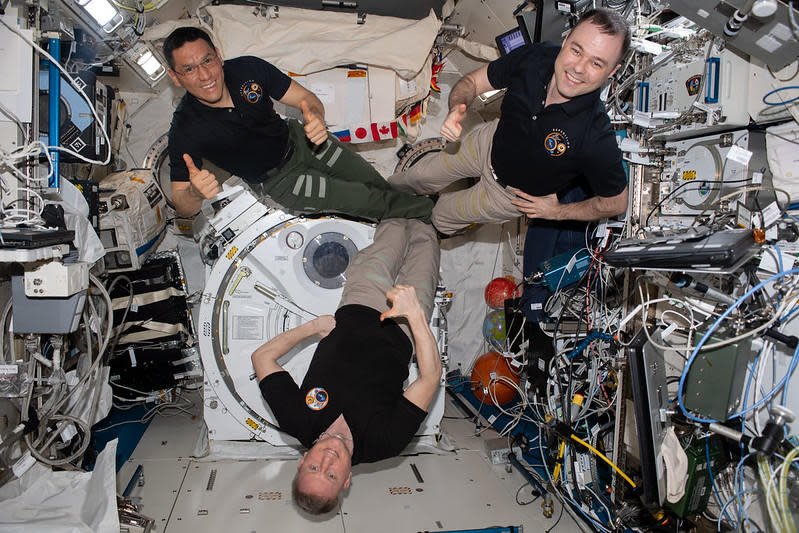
x=103, y=13
x=764, y=8
x=149, y=63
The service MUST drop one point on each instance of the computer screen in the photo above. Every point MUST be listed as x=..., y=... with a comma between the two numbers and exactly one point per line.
x=510, y=40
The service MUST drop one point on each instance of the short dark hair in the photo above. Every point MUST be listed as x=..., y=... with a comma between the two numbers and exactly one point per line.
x=611, y=23
x=181, y=36
x=311, y=503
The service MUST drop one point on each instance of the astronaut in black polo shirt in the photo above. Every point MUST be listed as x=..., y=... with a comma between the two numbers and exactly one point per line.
x=553, y=135
x=227, y=118
x=351, y=407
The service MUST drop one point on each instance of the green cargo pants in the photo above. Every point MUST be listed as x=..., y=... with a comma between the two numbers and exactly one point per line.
x=333, y=179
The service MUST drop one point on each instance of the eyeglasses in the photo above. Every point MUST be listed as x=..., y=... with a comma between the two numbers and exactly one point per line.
x=192, y=70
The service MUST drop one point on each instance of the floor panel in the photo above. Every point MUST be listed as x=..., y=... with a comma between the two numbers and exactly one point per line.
x=242, y=496
x=460, y=491
x=158, y=488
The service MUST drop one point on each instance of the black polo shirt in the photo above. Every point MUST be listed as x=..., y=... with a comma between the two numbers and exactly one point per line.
x=357, y=370
x=245, y=140
x=544, y=150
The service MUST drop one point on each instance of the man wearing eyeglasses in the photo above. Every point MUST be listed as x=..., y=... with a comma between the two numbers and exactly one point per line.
x=227, y=118
x=351, y=407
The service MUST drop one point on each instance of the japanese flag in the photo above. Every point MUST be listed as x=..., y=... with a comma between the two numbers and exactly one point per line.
x=376, y=131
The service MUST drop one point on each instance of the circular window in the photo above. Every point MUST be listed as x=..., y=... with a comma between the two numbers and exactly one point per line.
x=326, y=259
x=331, y=259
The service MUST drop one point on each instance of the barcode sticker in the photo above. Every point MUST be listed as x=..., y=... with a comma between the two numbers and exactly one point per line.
x=771, y=213
x=9, y=369
x=739, y=155
x=23, y=464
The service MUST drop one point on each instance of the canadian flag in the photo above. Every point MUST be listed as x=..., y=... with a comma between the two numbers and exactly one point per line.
x=384, y=130
x=376, y=131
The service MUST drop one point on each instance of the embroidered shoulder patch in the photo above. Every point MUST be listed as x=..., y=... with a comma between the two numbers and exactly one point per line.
x=316, y=398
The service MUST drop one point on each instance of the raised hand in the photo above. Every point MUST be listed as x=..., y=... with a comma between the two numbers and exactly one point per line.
x=315, y=128
x=203, y=182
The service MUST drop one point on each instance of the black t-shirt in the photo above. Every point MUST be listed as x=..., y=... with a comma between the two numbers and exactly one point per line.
x=245, y=140
x=357, y=370
x=544, y=150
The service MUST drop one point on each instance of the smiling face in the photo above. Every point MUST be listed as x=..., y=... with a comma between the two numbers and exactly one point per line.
x=588, y=58
x=198, y=69
x=325, y=469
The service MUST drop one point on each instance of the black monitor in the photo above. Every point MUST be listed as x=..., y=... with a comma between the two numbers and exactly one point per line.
x=510, y=40
x=650, y=400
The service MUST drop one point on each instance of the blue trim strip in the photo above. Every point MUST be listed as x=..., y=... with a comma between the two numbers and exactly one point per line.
x=713, y=78
x=643, y=97
x=53, y=108
x=146, y=246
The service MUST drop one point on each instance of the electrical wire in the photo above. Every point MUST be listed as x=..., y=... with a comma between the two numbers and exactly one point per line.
x=608, y=461
x=779, y=90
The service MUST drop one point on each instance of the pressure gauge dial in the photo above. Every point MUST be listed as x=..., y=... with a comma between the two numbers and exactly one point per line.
x=294, y=240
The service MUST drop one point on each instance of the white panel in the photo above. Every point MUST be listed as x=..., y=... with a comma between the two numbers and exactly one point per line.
x=762, y=82
x=674, y=88
x=349, y=98
x=9, y=141
x=16, y=64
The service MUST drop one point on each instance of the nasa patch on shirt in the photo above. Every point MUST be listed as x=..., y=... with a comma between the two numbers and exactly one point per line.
x=252, y=91
x=316, y=398
x=556, y=143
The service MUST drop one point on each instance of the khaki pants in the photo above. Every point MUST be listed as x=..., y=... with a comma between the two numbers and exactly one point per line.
x=486, y=202
x=404, y=252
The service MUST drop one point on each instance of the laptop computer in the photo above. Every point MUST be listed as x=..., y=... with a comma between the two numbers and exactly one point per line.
x=34, y=238
x=690, y=249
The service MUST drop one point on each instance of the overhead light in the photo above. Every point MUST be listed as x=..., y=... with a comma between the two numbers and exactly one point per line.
x=764, y=8
x=150, y=64
x=103, y=13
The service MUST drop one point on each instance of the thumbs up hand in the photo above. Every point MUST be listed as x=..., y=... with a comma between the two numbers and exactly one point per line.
x=315, y=128
x=451, y=128
x=203, y=182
